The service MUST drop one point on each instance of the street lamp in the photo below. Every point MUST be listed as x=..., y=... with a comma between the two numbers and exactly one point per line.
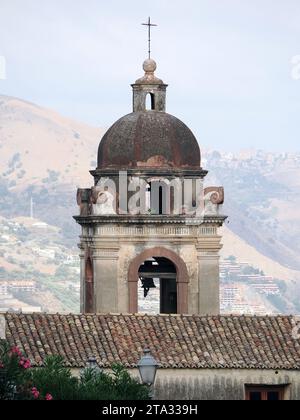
x=147, y=367
x=93, y=365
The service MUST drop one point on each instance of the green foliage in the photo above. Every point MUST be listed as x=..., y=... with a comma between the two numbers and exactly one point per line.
x=92, y=384
x=54, y=379
x=118, y=385
x=12, y=374
x=62, y=272
x=252, y=271
x=18, y=381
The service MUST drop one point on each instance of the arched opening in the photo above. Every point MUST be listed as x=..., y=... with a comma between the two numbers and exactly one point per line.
x=89, y=287
x=150, y=102
x=158, y=195
x=157, y=286
x=164, y=262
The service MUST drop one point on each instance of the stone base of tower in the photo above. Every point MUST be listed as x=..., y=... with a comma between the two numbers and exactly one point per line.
x=118, y=250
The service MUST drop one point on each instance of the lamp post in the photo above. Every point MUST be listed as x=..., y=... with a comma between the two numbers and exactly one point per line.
x=147, y=368
x=92, y=364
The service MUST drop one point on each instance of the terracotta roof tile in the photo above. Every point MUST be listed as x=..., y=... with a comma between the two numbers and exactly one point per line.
x=174, y=340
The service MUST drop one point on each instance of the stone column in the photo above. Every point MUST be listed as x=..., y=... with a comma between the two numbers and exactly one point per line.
x=106, y=279
x=209, y=275
x=82, y=278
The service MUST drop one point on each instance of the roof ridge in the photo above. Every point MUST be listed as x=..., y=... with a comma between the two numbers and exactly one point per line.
x=226, y=316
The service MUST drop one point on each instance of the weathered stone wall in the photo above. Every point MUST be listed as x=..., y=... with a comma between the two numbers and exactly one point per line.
x=218, y=384
x=114, y=247
x=221, y=384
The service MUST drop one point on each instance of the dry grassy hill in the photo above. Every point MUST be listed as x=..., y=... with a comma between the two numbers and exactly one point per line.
x=37, y=145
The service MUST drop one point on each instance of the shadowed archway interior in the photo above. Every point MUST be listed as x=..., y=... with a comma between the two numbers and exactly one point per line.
x=165, y=264
x=160, y=271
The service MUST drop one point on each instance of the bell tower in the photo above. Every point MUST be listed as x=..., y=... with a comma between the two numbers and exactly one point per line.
x=148, y=217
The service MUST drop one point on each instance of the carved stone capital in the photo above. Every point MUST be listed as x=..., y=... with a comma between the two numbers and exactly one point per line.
x=106, y=253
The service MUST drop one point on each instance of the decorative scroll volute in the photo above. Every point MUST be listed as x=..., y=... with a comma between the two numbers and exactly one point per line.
x=84, y=201
x=213, y=199
x=103, y=201
x=215, y=194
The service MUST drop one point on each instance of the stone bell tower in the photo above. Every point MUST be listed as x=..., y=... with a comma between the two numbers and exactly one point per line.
x=148, y=215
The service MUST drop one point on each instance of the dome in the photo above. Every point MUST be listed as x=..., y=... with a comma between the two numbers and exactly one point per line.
x=149, y=139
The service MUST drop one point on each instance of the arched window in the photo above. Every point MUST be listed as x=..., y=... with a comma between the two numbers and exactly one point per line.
x=148, y=199
x=150, y=102
x=159, y=197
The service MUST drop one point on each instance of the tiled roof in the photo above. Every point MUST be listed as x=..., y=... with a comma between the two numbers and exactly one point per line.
x=176, y=341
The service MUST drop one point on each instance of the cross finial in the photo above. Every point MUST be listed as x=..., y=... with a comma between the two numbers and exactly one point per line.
x=150, y=25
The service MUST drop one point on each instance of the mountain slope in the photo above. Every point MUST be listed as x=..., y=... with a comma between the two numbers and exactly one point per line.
x=234, y=245
x=38, y=145
x=262, y=200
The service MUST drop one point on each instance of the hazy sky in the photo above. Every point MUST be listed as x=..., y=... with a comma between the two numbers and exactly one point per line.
x=227, y=62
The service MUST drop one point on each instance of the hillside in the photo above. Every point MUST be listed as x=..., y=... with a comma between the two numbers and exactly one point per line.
x=33, y=251
x=234, y=245
x=44, y=157
x=262, y=200
x=39, y=147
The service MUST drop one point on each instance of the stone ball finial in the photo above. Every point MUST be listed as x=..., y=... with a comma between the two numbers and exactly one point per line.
x=149, y=66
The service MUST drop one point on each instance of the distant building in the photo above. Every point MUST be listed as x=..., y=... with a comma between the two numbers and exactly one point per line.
x=45, y=252
x=3, y=288
x=17, y=286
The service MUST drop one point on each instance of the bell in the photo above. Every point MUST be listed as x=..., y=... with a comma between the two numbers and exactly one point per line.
x=147, y=284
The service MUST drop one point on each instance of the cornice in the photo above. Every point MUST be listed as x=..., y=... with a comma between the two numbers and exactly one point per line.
x=151, y=219
x=161, y=172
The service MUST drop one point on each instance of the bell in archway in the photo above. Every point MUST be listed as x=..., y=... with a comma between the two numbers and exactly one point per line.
x=147, y=284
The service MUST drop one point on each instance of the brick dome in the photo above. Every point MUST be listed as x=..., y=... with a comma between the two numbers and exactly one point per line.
x=149, y=139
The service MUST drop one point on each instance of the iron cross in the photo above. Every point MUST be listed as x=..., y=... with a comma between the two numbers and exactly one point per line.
x=150, y=25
